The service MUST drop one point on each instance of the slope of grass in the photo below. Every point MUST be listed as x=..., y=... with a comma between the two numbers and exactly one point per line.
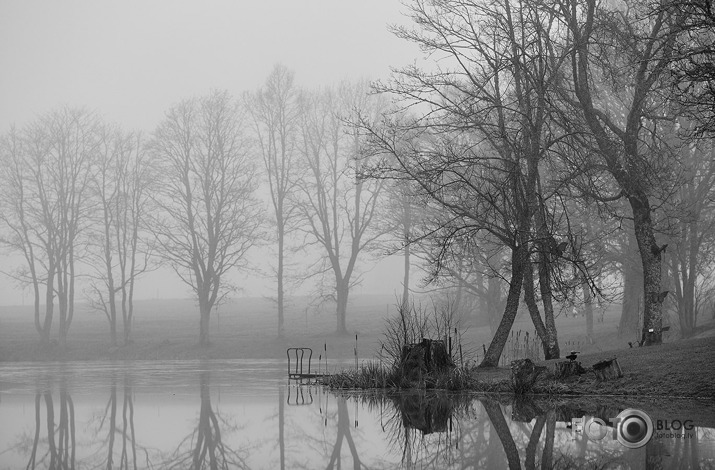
x=676, y=369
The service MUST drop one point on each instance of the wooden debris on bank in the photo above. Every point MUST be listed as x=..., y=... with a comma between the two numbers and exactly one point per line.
x=608, y=369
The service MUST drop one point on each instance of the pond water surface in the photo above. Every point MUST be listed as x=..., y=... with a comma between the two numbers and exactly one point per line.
x=245, y=414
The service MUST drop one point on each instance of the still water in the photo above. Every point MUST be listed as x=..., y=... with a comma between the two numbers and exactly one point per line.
x=245, y=414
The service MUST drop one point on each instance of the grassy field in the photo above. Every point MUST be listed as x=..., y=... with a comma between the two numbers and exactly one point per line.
x=246, y=328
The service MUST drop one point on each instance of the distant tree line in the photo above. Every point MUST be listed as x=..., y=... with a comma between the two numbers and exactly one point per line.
x=91, y=207
x=545, y=153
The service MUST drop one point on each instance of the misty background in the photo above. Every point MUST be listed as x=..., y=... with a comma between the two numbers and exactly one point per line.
x=130, y=62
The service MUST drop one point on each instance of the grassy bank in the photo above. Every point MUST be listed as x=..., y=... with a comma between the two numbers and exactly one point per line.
x=677, y=369
x=684, y=369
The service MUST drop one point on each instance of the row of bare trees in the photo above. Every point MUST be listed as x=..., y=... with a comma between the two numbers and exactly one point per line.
x=83, y=199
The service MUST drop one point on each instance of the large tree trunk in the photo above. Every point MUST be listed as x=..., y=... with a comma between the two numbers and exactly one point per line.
x=551, y=350
x=632, y=292
x=552, y=341
x=491, y=358
x=651, y=258
x=533, y=308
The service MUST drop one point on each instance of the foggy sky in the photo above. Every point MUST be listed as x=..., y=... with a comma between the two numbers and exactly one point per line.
x=131, y=60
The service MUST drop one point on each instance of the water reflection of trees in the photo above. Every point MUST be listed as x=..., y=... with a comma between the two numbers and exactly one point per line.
x=61, y=444
x=439, y=430
x=124, y=433
x=329, y=447
x=421, y=426
x=204, y=447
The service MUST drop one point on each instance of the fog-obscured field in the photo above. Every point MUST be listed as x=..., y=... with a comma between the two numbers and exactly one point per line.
x=246, y=328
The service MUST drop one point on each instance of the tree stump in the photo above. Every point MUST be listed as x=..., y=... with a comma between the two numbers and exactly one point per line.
x=565, y=369
x=524, y=374
x=423, y=358
x=608, y=369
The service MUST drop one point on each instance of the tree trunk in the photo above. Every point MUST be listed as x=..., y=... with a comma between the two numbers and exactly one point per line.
x=342, y=292
x=281, y=299
x=552, y=341
x=651, y=259
x=551, y=350
x=406, y=278
x=406, y=225
x=491, y=358
x=632, y=293
x=112, y=319
x=534, y=308
x=204, y=322
x=49, y=305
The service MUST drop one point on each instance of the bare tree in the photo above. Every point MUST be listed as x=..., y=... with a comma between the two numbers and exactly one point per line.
x=484, y=135
x=275, y=111
x=46, y=174
x=210, y=218
x=121, y=188
x=619, y=64
x=337, y=204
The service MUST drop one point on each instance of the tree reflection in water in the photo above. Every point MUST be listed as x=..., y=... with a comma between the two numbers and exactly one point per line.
x=125, y=433
x=343, y=432
x=61, y=443
x=327, y=447
x=420, y=425
x=440, y=430
x=204, y=447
